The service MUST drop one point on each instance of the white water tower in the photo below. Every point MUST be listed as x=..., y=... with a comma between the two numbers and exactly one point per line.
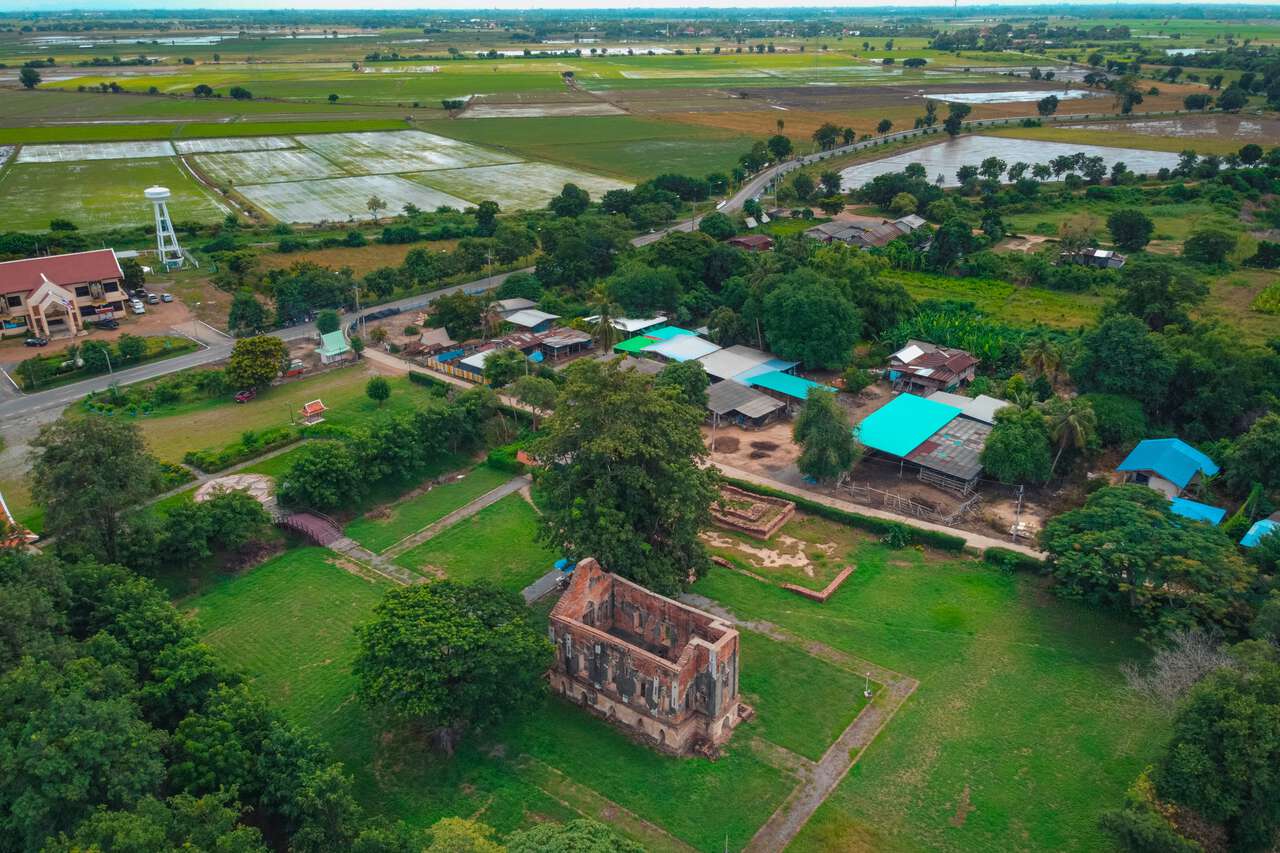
x=169, y=252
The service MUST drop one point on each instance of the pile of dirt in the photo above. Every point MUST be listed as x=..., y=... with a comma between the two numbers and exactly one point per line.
x=764, y=445
x=726, y=444
x=759, y=454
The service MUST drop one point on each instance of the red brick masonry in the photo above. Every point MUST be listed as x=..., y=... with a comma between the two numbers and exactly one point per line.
x=658, y=668
x=827, y=591
x=762, y=519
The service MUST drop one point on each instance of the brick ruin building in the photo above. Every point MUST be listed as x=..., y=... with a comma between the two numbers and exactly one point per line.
x=652, y=666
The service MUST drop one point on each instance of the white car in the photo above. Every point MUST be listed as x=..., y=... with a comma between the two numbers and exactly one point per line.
x=137, y=306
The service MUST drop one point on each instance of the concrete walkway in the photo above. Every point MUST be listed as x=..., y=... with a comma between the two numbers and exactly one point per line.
x=817, y=782
x=489, y=498
x=353, y=550
x=974, y=540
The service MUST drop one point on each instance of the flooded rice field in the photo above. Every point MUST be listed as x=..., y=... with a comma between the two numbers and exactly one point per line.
x=946, y=157
x=1013, y=97
x=1196, y=127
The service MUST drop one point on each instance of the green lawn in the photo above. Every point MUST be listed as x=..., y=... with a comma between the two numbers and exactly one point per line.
x=379, y=532
x=1021, y=731
x=496, y=544
x=1020, y=306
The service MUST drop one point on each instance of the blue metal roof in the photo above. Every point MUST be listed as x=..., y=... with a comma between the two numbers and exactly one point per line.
x=784, y=383
x=778, y=364
x=1171, y=458
x=902, y=424
x=666, y=333
x=1265, y=527
x=1197, y=511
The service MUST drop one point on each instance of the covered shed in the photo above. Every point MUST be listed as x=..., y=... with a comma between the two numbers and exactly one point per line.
x=638, y=344
x=792, y=390
x=562, y=343
x=732, y=361
x=531, y=319
x=939, y=439
x=436, y=340
x=682, y=348
x=734, y=402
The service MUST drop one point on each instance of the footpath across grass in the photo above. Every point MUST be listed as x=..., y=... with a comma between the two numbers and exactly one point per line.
x=379, y=532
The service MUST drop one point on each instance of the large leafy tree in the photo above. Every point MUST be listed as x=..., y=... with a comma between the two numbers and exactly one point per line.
x=86, y=473
x=626, y=480
x=1122, y=356
x=1130, y=229
x=642, y=290
x=1017, y=451
x=823, y=432
x=248, y=316
x=256, y=361
x=1256, y=455
x=575, y=836
x=183, y=822
x=1224, y=758
x=324, y=476
x=809, y=320
x=1125, y=548
x=459, y=314
x=1160, y=291
x=448, y=656
x=688, y=379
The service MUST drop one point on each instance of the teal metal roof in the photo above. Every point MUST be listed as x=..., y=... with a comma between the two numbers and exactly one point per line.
x=1266, y=527
x=666, y=333
x=901, y=425
x=784, y=383
x=1197, y=511
x=634, y=345
x=333, y=343
x=1170, y=458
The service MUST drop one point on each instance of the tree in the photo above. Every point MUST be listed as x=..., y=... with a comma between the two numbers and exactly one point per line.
x=826, y=136
x=803, y=185
x=1209, y=245
x=779, y=146
x=1130, y=229
x=884, y=126
x=76, y=479
x=1071, y=422
x=183, y=822
x=133, y=274
x=324, y=476
x=950, y=243
x=576, y=836
x=1255, y=456
x=831, y=182
x=1222, y=761
x=572, y=202
x=505, y=366
x=458, y=313
x=641, y=289
x=1160, y=291
x=823, y=432
x=1047, y=105
x=807, y=320
x=1043, y=357
x=1122, y=356
x=448, y=656
x=1017, y=451
x=631, y=492
x=256, y=361
x=1197, y=101
x=954, y=121
x=203, y=90
x=333, y=98
x=486, y=218
x=1232, y=99
x=327, y=321
x=240, y=93
x=687, y=379
x=903, y=204
x=247, y=315
x=717, y=226
x=1126, y=549
x=378, y=389
x=29, y=77
x=1250, y=153
x=460, y=835
x=375, y=205
x=537, y=392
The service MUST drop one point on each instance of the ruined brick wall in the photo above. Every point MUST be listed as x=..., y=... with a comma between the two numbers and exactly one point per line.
x=647, y=663
x=763, y=518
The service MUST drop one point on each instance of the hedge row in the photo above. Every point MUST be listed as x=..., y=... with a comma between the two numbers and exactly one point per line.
x=437, y=387
x=918, y=535
x=251, y=444
x=1012, y=561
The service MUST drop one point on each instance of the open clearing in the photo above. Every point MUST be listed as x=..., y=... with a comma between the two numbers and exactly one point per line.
x=946, y=157
x=341, y=199
x=399, y=151
x=99, y=195
x=266, y=167
x=516, y=185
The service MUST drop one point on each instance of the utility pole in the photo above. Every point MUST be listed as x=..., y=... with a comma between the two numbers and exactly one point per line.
x=1017, y=517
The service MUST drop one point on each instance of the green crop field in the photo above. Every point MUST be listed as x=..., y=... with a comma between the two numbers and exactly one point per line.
x=497, y=544
x=99, y=194
x=410, y=515
x=1021, y=731
x=1021, y=306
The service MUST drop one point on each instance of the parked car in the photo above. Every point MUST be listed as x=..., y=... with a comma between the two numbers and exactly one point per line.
x=246, y=395
x=166, y=297
x=37, y=342
x=153, y=298
x=137, y=307
x=108, y=323
x=138, y=292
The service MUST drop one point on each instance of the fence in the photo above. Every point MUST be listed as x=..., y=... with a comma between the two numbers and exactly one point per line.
x=906, y=505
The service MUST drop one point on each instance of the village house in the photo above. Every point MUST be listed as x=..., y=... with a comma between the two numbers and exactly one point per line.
x=752, y=242
x=1170, y=466
x=1104, y=259
x=923, y=368
x=648, y=664
x=864, y=233
x=57, y=294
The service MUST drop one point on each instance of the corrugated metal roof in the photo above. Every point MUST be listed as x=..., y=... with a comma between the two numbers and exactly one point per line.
x=729, y=363
x=683, y=348
x=1197, y=511
x=1171, y=458
x=955, y=449
x=903, y=424
x=729, y=396
x=796, y=387
x=333, y=343
x=1265, y=527
x=530, y=317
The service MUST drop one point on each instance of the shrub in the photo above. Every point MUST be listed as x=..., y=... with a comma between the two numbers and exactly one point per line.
x=249, y=445
x=1012, y=561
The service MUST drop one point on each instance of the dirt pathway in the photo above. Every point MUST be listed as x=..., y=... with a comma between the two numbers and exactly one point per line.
x=819, y=781
x=489, y=498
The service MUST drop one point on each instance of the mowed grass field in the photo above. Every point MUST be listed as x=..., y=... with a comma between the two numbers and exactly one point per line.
x=99, y=194
x=409, y=515
x=1021, y=731
x=551, y=764
x=499, y=543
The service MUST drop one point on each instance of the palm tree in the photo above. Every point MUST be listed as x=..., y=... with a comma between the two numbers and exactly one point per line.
x=1043, y=357
x=1071, y=421
x=606, y=311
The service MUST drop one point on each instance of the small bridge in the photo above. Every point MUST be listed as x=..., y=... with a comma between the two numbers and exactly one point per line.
x=319, y=528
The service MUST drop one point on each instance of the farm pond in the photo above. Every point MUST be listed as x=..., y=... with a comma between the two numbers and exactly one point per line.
x=946, y=157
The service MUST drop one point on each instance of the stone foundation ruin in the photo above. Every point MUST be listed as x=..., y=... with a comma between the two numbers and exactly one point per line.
x=749, y=513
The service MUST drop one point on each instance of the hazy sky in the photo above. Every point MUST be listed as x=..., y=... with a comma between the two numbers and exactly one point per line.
x=48, y=5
